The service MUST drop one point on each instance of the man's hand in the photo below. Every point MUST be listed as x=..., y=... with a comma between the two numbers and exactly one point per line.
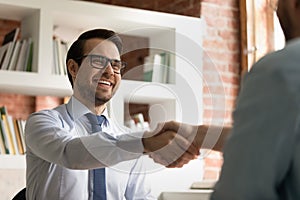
x=174, y=144
x=205, y=136
x=165, y=146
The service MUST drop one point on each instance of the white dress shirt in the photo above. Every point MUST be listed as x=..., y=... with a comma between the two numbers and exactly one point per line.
x=60, y=150
x=261, y=158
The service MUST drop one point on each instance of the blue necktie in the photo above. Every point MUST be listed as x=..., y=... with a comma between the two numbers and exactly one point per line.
x=98, y=174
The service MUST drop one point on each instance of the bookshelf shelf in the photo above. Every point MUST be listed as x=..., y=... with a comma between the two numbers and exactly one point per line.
x=12, y=162
x=26, y=83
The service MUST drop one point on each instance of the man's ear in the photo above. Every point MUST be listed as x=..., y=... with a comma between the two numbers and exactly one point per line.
x=72, y=67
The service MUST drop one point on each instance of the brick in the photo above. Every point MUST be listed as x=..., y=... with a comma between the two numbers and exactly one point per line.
x=233, y=24
x=193, y=12
x=216, y=114
x=211, y=174
x=213, y=162
x=231, y=79
x=47, y=102
x=216, y=22
x=229, y=13
x=228, y=35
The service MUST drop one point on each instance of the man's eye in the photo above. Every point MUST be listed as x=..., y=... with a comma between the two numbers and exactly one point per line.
x=98, y=62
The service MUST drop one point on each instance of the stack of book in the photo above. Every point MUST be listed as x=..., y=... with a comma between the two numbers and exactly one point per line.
x=60, y=49
x=11, y=134
x=157, y=67
x=16, y=55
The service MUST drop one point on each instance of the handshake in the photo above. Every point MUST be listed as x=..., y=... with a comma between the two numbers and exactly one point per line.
x=174, y=144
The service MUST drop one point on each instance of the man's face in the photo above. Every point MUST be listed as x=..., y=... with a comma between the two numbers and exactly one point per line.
x=97, y=85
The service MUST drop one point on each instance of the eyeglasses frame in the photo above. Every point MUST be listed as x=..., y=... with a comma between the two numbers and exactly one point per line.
x=108, y=60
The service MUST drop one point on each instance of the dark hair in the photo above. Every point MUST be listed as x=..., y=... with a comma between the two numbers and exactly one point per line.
x=76, y=49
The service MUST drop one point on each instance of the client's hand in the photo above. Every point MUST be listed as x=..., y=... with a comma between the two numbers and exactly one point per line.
x=165, y=146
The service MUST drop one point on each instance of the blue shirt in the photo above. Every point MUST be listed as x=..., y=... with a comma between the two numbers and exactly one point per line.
x=61, y=149
x=261, y=157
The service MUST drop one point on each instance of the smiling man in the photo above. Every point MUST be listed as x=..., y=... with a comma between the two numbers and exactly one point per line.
x=76, y=151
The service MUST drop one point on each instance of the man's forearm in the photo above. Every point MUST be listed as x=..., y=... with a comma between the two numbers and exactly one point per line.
x=212, y=137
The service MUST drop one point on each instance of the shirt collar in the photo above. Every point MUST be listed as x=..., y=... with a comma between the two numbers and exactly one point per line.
x=107, y=120
x=76, y=109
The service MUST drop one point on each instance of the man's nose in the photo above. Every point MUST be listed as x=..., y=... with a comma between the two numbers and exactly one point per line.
x=109, y=68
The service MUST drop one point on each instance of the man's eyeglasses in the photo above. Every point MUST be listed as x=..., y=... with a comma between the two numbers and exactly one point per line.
x=101, y=62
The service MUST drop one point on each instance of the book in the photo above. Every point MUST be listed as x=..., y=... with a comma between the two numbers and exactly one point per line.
x=59, y=56
x=29, y=56
x=21, y=126
x=11, y=36
x=18, y=136
x=164, y=64
x=171, y=69
x=157, y=66
x=148, y=69
x=55, y=69
x=20, y=65
x=3, y=51
x=13, y=133
x=157, y=73
x=9, y=40
x=14, y=57
x=4, y=137
x=2, y=143
x=7, y=131
x=8, y=50
x=64, y=52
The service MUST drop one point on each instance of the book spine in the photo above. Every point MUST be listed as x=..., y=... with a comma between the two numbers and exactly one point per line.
x=5, y=138
x=8, y=135
x=18, y=136
x=3, y=148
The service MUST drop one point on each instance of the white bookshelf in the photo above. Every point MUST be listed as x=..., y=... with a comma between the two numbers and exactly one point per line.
x=181, y=35
x=41, y=19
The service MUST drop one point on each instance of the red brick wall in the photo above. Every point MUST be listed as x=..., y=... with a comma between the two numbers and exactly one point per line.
x=222, y=45
x=18, y=106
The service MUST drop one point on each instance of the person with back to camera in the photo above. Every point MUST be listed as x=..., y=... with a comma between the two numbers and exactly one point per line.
x=261, y=154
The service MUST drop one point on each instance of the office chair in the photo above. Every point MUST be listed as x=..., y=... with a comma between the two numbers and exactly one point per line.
x=21, y=195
